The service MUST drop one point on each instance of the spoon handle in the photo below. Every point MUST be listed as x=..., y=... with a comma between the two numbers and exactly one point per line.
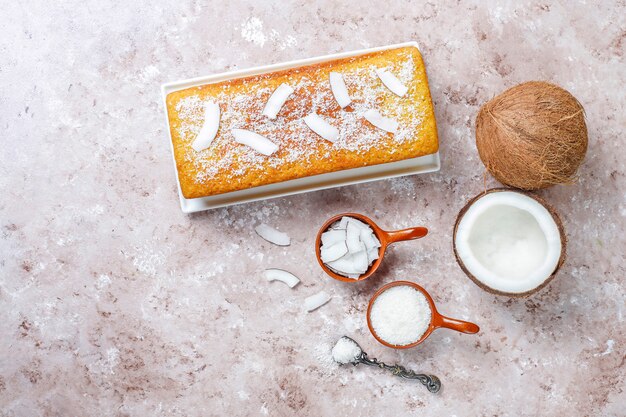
x=406, y=234
x=431, y=382
x=458, y=325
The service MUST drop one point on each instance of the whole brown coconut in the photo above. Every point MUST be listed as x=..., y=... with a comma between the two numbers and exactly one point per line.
x=532, y=136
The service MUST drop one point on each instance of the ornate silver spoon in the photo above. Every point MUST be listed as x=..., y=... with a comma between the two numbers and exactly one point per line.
x=347, y=351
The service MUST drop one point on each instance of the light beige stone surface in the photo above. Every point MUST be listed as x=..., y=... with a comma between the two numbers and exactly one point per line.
x=113, y=302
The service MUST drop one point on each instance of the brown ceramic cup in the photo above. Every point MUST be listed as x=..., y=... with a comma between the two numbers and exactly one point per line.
x=436, y=320
x=385, y=238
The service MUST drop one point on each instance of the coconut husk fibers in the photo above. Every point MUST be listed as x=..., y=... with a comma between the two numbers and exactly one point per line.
x=559, y=225
x=532, y=136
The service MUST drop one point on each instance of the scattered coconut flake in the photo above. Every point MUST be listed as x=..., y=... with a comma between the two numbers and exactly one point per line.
x=276, y=100
x=209, y=128
x=385, y=123
x=315, y=301
x=274, y=274
x=272, y=235
x=391, y=82
x=346, y=351
x=333, y=252
x=257, y=142
x=339, y=89
x=322, y=127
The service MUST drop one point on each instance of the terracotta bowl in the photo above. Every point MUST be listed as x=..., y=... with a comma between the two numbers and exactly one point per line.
x=386, y=238
x=436, y=320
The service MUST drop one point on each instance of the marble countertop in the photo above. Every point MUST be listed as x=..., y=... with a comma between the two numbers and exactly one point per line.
x=114, y=302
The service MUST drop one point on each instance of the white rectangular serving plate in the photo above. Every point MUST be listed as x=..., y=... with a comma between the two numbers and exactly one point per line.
x=421, y=165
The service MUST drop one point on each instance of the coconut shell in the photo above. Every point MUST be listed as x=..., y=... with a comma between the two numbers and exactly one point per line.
x=559, y=225
x=532, y=136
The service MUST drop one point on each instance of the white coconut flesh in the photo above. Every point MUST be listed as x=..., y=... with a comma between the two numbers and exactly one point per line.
x=508, y=241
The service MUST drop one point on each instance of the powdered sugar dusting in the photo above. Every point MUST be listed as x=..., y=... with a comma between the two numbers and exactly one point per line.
x=297, y=143
x=252, y=31
x=324, y=357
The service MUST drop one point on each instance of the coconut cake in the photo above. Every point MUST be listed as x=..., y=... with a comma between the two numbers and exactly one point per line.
x=227, y=165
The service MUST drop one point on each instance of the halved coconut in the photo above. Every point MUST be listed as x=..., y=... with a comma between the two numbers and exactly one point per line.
x=509, y=242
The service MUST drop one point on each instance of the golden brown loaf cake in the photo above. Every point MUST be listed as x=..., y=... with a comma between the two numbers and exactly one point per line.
x=229, y=166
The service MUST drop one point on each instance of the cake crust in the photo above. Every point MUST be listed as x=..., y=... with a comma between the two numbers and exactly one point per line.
x=227, y=166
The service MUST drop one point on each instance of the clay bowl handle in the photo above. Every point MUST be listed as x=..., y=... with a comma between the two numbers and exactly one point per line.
x=406, y=234
x=458, y=325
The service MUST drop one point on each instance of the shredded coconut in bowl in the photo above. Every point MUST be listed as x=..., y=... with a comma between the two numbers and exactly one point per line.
x=400, y=315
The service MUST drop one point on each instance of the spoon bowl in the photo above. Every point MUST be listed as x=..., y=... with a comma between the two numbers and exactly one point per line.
x=385, y=238
x=437, y=320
